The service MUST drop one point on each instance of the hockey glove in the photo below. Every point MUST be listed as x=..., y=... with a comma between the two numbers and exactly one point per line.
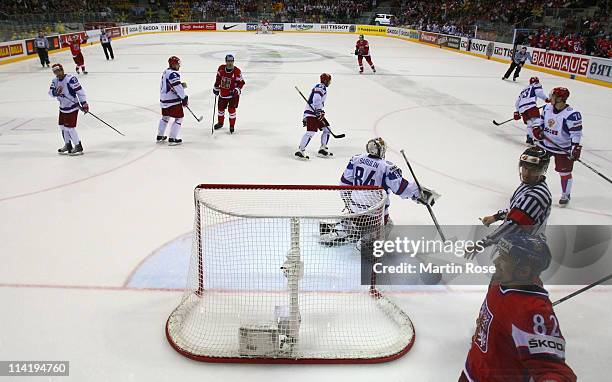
x=236, y=92
x=427, y=197
x=537, y=133
x=85, y=108
x=517, y=116
x=185, y=101
x=320, y=114
x=57, y=92
x=356, y=52
x=216, y=91
x=547, y=100
x=575, y=153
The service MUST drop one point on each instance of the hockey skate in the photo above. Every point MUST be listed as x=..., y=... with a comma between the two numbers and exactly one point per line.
x=529, y=141
x=300, y=155
x=231, y=129
x=66, y=149
x=175, y=141
x=77, y=150
x=564, y=201
x=218, y=126
x=324, y=152
x=161, y=138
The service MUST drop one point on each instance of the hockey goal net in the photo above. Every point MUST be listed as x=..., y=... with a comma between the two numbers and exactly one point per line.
x=275, y=277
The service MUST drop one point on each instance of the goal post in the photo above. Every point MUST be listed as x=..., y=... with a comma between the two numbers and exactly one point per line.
x=275, y=277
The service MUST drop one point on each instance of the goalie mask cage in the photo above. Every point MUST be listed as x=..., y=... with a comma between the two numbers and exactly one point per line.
x=275, y=277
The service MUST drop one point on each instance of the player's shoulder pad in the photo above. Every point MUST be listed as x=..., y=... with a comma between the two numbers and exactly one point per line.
x=393, y=169
x=174, y=74
x=73, y=80
x=574, y=115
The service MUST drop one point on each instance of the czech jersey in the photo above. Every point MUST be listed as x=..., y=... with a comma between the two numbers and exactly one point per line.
x=528, y=211
x=366, y=170
x=363, y=47
x=226, y=81
x=528, y=98
x=317, y=98
x=75, y=47
x=171, y=90
x=69, y=93
x=517, y=338
x=562, y=127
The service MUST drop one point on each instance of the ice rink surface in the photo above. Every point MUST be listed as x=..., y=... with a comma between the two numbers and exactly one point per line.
x=75, y=230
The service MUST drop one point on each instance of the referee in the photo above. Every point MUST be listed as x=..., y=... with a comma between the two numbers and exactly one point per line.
x=42, y=46
x=517, y=63
x=105, y=40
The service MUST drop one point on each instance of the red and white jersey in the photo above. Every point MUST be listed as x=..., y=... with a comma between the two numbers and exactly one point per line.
x=227, y=81
x=75, y=46
x=366, y=170
x=363, y=47
x=528, y=98
x=171, y=91
x=317, y=98
x=562, y=127
x=69, y=93
x=517, y=338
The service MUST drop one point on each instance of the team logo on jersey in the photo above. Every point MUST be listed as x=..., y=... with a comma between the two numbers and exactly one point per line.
x=225, y=27
x=483, y=324
x=551, y=123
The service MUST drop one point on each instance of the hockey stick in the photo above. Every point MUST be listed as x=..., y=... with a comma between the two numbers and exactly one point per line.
x=433, y=217
x=324, y=120
x=212, y=125
x=187, y=106
x=603, y=280
x=577, y=159
x=511, y=119
x=92, y=114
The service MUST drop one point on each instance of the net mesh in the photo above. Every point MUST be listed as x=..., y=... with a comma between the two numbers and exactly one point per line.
x=275, y=275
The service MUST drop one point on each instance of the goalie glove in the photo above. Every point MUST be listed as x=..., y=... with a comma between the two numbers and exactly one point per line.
x=427, y=197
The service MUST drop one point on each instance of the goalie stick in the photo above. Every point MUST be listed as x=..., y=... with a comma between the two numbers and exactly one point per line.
x=433, y=217
x=338, y=136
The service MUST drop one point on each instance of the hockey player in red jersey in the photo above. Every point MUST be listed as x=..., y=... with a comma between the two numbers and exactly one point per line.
x=362, y=49
x=517, y=335
x=77, y=55
x=228, y=86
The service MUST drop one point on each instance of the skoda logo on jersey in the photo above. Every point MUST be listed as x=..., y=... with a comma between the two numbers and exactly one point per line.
x=225, y=27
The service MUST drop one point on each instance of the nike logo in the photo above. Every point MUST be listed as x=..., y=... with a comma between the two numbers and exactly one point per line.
x=225, y=27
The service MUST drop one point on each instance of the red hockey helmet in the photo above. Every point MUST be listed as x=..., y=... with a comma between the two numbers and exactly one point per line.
x=534, y=80
x=325, y=78
x=174, y=61
x=561, y=93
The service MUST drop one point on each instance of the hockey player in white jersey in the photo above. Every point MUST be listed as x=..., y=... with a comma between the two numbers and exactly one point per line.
x=314, y=119
x=172, y=99
x=527, y=106
x=71, y=96
x=559, y=133
x=371, y=169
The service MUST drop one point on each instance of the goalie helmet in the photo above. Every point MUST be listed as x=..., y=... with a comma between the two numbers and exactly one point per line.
x=376, y=147
x=525, y=250
x=173, y=61
x=561, y=93
x=534, y=80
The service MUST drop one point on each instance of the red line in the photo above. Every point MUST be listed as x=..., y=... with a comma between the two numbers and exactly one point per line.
x=78, y=180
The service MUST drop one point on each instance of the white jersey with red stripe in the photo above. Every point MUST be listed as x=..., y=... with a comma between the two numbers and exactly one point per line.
x=367, y=170
x=563, y=127
x=317, y=98
x=528, y=97
x=171, y=90
x=70, y=93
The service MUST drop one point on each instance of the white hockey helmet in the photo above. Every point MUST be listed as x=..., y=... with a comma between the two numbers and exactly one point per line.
x=376, y=147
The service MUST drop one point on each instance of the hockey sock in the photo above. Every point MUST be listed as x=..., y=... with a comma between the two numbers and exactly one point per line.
x=163, y=123
x=74, y=137
x=566, y=182
x=65, y=134
x=176, y=126
x=306, y=139
x=232, y=117
x=221, y=116
x=325, y=137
